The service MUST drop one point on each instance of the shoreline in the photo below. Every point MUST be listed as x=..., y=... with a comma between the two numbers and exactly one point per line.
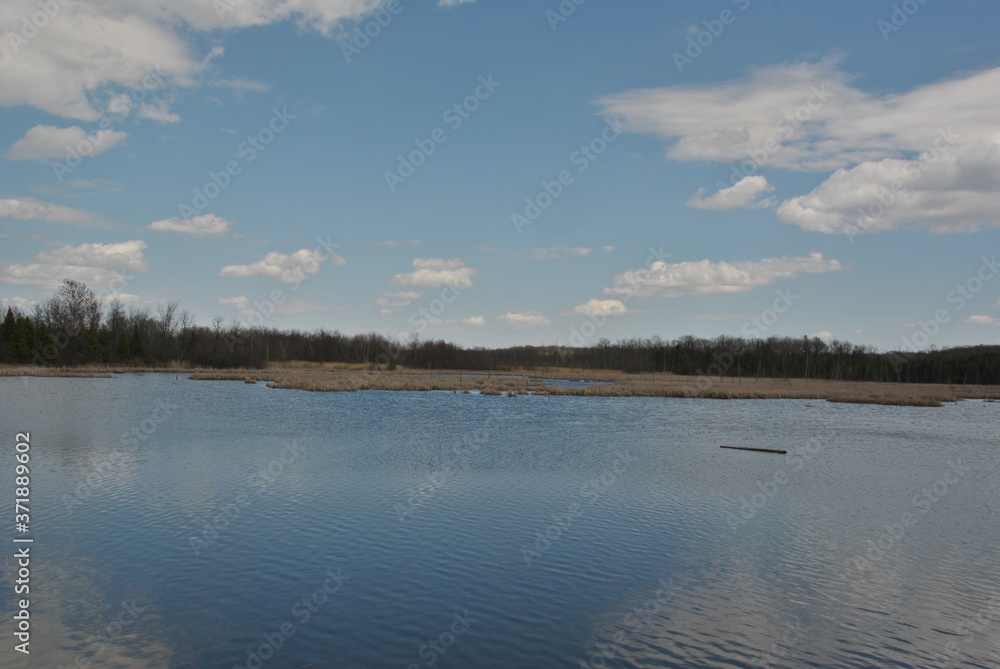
x=348, y=378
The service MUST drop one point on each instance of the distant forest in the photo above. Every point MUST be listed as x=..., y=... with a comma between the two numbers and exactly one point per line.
x=75, y=327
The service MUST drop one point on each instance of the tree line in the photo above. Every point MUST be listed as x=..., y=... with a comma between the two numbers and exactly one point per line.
x=76, y=327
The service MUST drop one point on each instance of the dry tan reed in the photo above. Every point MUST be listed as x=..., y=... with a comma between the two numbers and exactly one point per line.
x=350, y=378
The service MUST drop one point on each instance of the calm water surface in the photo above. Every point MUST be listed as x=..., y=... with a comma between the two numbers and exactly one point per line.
x=218, y=524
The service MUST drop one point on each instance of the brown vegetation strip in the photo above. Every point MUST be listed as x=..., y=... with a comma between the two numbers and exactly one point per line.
x=534, y=382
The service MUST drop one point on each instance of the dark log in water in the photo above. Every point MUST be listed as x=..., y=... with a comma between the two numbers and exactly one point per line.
x=761, y=450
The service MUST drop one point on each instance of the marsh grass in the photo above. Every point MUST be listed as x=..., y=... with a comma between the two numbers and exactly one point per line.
x=614, y=384
x=330, y=377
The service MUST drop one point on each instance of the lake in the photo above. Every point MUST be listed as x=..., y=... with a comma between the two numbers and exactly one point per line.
x=183, y=523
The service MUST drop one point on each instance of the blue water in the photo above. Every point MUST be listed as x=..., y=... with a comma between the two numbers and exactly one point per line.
x=412, y=530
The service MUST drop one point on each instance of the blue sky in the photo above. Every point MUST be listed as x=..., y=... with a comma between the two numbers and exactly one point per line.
x=515, y=172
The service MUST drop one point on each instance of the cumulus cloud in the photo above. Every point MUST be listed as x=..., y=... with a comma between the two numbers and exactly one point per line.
x=47, y=142
x=474, y=320
x=91, y=51
x=980, y=319
x=288, y=268
x=951, y=190
x=929, y=157
x=707, y=278
x=601, y=308
x=744, y=194
x=825, y=335
x=199, y=226
x=436, y=272
x=525, y=319
x=28, y=208
x=98, y=265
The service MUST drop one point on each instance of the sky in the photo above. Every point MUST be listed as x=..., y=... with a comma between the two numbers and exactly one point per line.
x=506, y=172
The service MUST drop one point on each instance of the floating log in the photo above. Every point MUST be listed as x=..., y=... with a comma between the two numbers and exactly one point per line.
x=761, y=450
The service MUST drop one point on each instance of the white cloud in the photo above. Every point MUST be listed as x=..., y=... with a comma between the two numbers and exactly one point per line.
x=124, y=298
x=707, y=278
x=28, y=208
x=609, y=249
x=436, y=272
x=601, y=308
x=46, y=142
x=240, y=302
x=954, y=191
x=401, y=299
x=158, y=111
x=557, y=252
x=204, y=224
x=471, y=320
x=741, y=195
x=980, y=319
x=825, y=335
x=288, y=268
x=90, y=51
x=453, y=3
x=21, y=303
x=809, y=116
x=525, y=319
x=98, y=265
